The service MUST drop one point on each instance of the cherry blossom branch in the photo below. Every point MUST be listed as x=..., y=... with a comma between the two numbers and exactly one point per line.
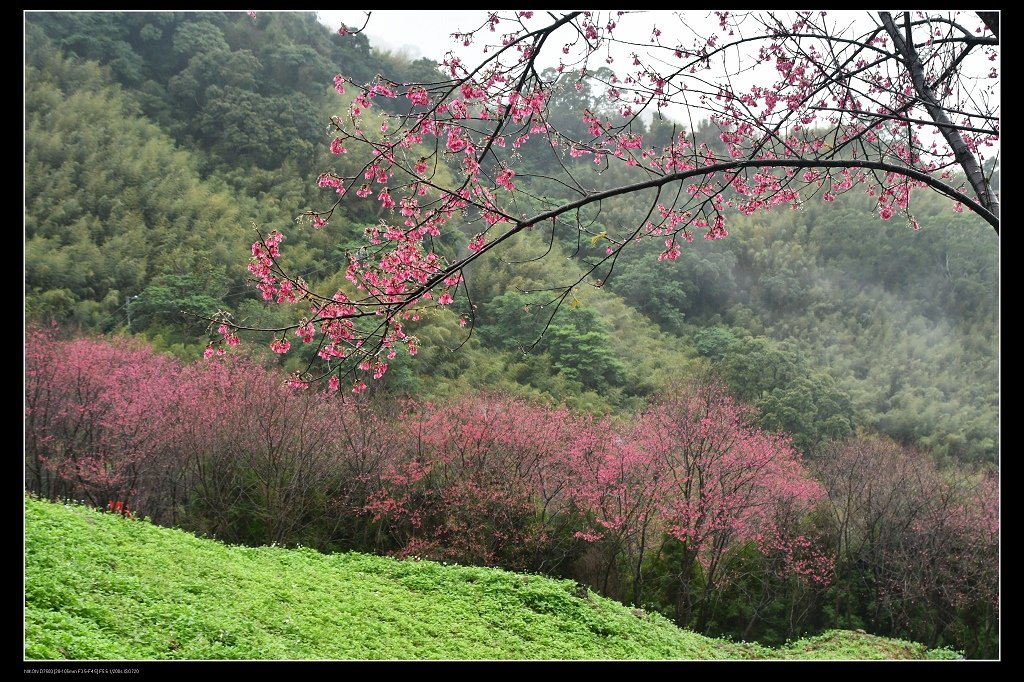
x=837, y=104
x=963, y=155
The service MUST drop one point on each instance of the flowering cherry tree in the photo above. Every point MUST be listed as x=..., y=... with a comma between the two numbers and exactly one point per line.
x=480, y=480
x=693, y=470
x=807, y=106
x=97, y=419
x=923, y=541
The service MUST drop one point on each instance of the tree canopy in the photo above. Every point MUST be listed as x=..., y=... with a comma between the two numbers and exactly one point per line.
x=791, y=108
x=139, y=227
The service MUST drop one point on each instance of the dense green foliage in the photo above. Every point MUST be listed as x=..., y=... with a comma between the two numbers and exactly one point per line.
x=142, y=180
x=148, y=251
x=845, y=320
x=113, y=208
x=99, y=586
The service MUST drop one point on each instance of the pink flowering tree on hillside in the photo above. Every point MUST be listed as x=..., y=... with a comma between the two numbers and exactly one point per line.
x=99, y=421
x=481, y=480
x=922, y=541
x=723, y=485
x=689, y=484
x=804, y=106
x=616, y=483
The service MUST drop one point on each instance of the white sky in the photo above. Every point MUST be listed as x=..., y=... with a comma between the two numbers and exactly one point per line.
x=427, y=33
x=418, y=33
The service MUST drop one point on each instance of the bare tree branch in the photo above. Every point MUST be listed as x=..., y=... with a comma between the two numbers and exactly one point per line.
x=963, y=154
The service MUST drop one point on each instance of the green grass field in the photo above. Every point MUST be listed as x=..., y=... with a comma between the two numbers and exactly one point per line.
x=98, y=586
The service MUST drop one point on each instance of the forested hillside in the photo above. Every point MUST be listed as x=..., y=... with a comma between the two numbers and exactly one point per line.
x=145, y=174
x=156, y=142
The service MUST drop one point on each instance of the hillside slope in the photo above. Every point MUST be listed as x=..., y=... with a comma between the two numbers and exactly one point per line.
x=98, y=586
